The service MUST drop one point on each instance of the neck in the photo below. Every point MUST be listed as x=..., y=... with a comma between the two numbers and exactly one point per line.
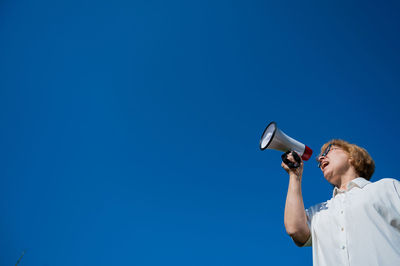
x=346, y=178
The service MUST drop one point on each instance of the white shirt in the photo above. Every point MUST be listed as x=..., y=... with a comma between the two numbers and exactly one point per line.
x=357, y=227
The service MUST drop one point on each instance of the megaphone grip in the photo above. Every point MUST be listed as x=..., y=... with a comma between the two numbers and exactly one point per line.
x=290, y=163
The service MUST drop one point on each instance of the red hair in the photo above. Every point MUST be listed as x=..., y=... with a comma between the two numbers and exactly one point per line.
x=360, y=159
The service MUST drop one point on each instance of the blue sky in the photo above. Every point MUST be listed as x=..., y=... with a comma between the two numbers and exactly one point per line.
x=130, y=129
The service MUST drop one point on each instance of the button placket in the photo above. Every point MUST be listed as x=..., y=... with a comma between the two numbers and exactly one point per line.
x=344, y=246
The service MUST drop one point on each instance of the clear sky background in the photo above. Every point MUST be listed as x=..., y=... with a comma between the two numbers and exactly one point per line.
x=130, y=129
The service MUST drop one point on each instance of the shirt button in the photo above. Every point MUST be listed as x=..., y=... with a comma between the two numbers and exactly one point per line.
x=341, y=212
x=343, y=247
x=342, y=229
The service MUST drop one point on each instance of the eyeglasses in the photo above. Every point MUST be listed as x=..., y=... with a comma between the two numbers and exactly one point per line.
x=327, y=149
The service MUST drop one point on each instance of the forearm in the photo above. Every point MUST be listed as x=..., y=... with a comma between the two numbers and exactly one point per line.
x=295, y=215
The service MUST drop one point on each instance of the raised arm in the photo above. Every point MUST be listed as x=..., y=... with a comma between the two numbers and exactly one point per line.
x=295, y=215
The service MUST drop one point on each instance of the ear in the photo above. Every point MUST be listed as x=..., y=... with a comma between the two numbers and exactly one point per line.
x=351, y=160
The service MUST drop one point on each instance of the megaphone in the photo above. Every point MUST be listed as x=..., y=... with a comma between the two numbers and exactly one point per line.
x=273, y=138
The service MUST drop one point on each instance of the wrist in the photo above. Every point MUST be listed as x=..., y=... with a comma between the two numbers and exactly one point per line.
x=295, y=176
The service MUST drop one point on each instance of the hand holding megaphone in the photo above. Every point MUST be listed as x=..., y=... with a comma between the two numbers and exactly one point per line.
x=292, y=163
x=273, y=138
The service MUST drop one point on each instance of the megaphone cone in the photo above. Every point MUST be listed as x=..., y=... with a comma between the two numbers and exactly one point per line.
x=273, y=138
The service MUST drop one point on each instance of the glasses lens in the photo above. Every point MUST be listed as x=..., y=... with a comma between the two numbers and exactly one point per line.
x=327, y=149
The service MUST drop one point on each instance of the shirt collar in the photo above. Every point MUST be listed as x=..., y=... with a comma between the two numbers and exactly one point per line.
x=357, y=182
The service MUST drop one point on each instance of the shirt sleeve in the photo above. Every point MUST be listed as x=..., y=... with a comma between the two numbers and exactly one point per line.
x=309, y=214
x=396, y=184
x=396, y=221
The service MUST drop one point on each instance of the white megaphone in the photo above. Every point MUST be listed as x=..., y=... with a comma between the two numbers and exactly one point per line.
x=273, y=138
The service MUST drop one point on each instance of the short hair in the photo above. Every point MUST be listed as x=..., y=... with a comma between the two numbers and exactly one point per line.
x=360, y=159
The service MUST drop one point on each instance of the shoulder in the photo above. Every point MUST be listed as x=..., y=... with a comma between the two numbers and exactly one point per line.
x=387, y=185
x=384, y=182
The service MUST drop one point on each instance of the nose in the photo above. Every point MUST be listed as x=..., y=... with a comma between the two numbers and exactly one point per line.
x=319, y=159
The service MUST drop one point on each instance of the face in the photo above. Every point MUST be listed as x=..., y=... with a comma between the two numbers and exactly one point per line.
x=334, y=162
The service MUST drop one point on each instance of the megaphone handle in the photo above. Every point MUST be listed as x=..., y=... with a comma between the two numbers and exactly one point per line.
x=290, y=163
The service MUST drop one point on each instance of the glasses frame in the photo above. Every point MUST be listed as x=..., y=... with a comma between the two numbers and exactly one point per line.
x=327, y=149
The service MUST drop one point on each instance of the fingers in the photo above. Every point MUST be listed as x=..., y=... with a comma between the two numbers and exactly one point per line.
x=292, y=160
x=294, y=156
x=284, y=166
x=292, y=163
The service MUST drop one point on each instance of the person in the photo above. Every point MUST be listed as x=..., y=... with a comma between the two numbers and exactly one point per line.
x=360, y=224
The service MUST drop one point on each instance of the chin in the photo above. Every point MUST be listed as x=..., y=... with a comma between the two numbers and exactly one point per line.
x=329, y=178
x=332, y=182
